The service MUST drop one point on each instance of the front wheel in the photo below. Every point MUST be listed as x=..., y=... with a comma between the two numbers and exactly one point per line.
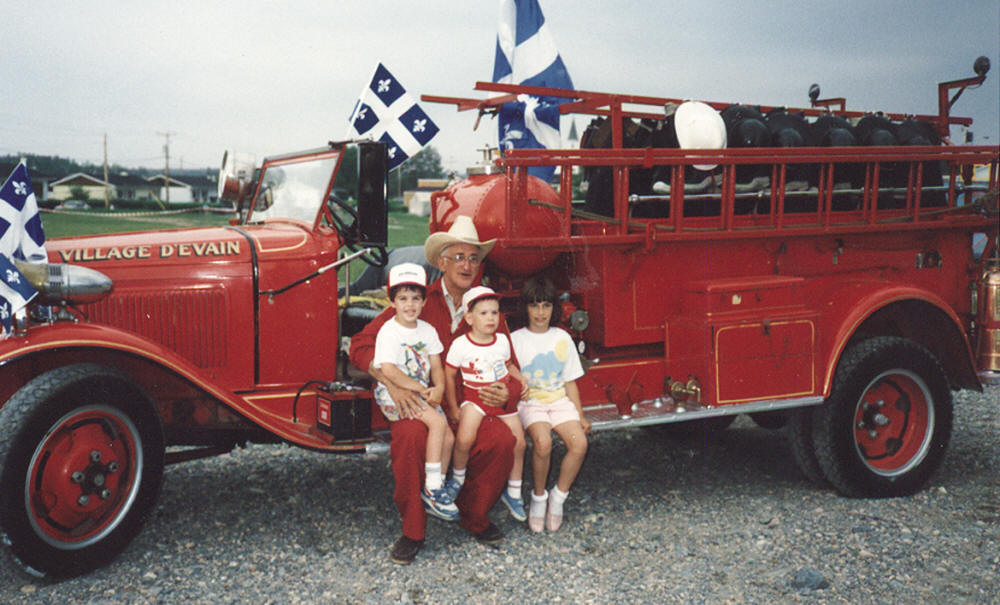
x=81, y=457
x=886, y=425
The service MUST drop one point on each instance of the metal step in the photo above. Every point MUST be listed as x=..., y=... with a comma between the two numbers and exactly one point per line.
x=663, y=410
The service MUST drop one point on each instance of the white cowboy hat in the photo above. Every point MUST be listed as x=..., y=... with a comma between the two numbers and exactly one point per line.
x=698, y=126
x=462, y=231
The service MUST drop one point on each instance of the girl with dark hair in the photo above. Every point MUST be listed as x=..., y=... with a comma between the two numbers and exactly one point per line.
x=551, y=365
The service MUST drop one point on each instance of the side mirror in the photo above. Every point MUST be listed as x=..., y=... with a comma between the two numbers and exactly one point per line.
x=373, y=205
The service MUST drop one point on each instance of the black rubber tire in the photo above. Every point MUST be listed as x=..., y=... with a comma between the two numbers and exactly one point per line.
x=86, y=406
x=799, y=433
x=906, y=451
x=771, y=420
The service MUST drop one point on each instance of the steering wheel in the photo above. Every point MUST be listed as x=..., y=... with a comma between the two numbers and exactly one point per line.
x=345, y=219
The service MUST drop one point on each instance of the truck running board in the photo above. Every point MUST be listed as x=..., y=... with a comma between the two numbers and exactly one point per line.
x=663, y=410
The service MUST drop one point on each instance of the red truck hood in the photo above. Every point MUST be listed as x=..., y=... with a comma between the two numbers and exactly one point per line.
x=177, y=246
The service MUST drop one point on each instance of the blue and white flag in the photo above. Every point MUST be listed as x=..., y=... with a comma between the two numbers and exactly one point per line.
x=15, y=294
x=526, y=54
x=386, y=112
x=21, y=237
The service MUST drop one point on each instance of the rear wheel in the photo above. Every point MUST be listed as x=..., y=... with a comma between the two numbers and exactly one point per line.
x=886, y=425
x=81, y=457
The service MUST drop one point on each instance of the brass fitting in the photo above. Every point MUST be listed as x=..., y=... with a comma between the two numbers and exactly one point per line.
x=684, y=392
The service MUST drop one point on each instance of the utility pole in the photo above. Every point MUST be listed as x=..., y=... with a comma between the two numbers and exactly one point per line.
x=166, y=156
x=107, y=195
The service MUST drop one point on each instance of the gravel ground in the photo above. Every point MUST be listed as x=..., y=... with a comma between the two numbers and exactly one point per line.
x=727, y=519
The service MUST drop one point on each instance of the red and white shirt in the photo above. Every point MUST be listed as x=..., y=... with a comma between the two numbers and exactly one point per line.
x=480, y=364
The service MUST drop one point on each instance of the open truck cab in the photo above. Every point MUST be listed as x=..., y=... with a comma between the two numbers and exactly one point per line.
x=155, y=347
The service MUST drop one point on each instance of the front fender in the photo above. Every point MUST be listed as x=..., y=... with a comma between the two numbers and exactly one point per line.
x=22, y=358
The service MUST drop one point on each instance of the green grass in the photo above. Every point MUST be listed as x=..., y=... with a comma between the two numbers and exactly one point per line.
x=404, y=229
x=96, y=223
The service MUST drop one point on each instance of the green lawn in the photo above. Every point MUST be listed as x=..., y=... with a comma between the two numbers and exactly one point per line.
x=95, y=223
x=404, y=229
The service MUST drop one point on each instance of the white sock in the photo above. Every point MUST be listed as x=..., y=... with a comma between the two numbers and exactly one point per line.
x=557, y=499
x=458, y=474
x=538, y=504
x=432, y=475
x=514, y=488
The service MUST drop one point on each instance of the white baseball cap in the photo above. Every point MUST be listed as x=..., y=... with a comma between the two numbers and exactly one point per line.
x=407, y=273
x=475, y=293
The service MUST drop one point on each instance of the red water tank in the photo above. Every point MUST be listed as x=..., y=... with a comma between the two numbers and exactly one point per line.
x=484, y=198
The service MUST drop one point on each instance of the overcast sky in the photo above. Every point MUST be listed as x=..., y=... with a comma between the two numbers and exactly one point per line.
x=272, y=77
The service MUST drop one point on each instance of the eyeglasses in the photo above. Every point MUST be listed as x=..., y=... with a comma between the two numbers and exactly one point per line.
x=472, y=259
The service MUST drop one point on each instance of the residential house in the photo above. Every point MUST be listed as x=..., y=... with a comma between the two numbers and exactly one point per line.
x=91, y=186
x=204, y=188
x=180, y=192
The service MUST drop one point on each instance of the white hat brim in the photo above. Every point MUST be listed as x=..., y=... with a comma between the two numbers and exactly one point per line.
x=437, y=242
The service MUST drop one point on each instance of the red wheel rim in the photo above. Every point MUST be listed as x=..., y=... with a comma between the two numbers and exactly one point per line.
x=83, y=477
x=894, y=423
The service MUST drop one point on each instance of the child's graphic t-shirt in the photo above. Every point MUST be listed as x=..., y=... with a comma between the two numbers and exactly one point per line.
x=480, y=364
x=410, y=350
x=548, y=361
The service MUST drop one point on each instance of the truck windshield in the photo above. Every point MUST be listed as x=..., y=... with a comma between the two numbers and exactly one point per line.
x=294, y=187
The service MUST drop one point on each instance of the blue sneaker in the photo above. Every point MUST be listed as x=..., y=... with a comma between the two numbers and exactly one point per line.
x=439, y=504
x=452, y=486
x=514, y=505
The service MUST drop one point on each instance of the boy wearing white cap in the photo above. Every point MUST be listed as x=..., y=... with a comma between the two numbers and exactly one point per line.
x=408, y=354
x=483, y=357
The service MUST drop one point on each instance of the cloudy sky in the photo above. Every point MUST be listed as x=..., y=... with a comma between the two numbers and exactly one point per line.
x=268, y=77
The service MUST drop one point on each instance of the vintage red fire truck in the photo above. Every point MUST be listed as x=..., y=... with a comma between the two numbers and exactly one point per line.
x=834, y=288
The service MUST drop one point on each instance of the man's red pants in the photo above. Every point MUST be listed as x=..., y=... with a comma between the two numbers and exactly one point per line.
x=490, y=461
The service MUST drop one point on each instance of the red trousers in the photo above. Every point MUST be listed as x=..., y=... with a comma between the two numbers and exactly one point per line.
x=490, y=461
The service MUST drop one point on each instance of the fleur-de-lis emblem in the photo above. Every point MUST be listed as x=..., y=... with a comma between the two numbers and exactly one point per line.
x=13, y=277
x=20, y=188
x=383, y=85
x=4, y=312
x=392, y=152
x=361, y=114
x=419, y=125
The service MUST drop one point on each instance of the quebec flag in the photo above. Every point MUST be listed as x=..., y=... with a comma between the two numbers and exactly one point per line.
x=386, y=112
x=526, y=54
x=21, y=237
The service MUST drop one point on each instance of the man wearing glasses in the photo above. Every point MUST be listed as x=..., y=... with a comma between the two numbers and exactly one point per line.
x=458, y=253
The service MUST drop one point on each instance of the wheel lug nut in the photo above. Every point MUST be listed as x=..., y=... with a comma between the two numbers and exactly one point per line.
x=76, y=477
x=95, y=456
x=873, y=434
x=112, y=466
x=879, y=403
x=83, y=500
x=105, y=494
